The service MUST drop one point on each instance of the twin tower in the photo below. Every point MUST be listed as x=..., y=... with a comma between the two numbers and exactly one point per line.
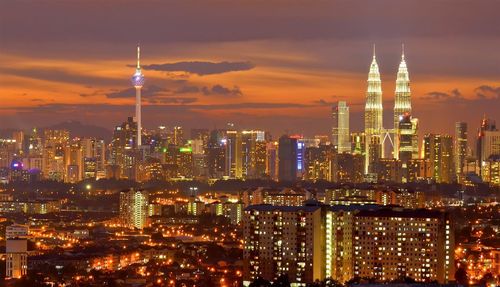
x=374, y=130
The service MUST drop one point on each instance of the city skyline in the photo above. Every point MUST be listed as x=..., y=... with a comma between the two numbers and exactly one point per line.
x=250, y=143
x=256, y=80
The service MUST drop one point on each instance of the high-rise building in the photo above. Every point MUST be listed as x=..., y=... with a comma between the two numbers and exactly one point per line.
x=460, y=149
x=318, y=162
x=178, y=139
x=216, y=154
x=54, y=154
x=272, y=160
x=94, y=148
x=283, y=240
x=134, y=208
x=487, y=125
x=340, y=131
x=402, y=100
x=16, y=251
x=358, y=143
x=407, y=135
x=74, y=162
x=490, y=144
x=373, y=116
x=18, y=137
x=390, y=244
x=253, y=153
x=234, y=158
x=438, y=149
x=491, y=170
x=348, y=168
x=123, y=155
x=138, y=82
x=287, y=156
x=35, y=146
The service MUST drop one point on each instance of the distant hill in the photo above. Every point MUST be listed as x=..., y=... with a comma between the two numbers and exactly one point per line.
x=75, y=128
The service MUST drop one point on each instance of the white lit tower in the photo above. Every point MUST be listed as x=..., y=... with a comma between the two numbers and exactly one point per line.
x=402, y=99
x=340, y=130
x=373, y=115
x=138, y=82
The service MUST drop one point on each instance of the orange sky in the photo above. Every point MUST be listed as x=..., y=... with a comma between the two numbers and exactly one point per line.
x=299, y=62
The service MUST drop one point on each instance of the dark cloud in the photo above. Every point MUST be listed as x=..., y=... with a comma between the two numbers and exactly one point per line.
x=219, y=90
x=487, y=92
x=187, y=89
x=201, y=68
x=172, y=100
x=323, y=102
x=60, y=76
x=453, y=95
x=147, y=92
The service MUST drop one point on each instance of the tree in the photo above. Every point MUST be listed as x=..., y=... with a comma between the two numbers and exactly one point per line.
x=487, y=279
x=260, y=282
x=282, y=281
x=461, y=276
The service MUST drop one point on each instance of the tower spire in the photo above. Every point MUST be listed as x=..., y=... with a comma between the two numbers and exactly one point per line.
x=403, y=51
x=138, y=56
x=374, y=51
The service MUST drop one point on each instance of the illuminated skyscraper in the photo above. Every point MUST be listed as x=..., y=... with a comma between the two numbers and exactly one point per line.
x=402, y=101
x=373, y=115
x=340, y=130
x=233, y=154
x=54, y=153
x=460, y=148
x=138, y=82
x=134, y=208
x=407, y=139
x=488, y=141
x=438, y=149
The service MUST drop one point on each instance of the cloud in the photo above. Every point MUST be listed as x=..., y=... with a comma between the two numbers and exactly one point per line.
x=61, y=76
x=323, y=102
x=172, y=100
x=487, y=92
x=219, y=90
x=187, y=89
x=453, y=95
x=201, y=68
x=147, y=92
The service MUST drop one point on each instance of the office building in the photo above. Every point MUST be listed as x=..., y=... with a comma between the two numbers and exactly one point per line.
x=487, y=125
x=407, y=134
x=318, y=162
x=347, y=168
x=491, y=170
x=340, y=130
x=460, y=150
x=438, y=149
x=287, y=156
